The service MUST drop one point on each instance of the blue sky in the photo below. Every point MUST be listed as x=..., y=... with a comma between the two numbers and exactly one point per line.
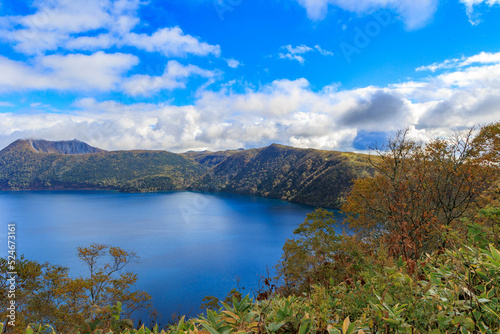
x=223, y=74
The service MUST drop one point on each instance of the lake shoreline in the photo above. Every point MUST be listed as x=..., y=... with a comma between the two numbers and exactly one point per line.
x=96, y=189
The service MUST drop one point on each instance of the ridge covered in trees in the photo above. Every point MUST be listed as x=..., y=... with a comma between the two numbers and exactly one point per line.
x=313, y=177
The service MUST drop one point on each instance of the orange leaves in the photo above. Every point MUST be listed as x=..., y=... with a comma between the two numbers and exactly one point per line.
x=420, y=187
x=488, y=144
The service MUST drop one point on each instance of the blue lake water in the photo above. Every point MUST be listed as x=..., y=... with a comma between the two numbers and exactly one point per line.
x=190, y=244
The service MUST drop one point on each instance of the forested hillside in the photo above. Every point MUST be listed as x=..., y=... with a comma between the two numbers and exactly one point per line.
x=23, y=168
x=314, y=177
x=306, y=176
x=210, y=159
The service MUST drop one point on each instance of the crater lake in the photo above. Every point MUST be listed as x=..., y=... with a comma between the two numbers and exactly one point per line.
x=190, y=245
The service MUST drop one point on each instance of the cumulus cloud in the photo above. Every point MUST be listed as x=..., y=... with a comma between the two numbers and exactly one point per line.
x=380, y=107
x=233, y=63
x=469, y=96
x=284, y=111
x=415, y=14
x=481, y=58
x=102, y=41
x=175, y=76
x=171, y=42
x=295, y=53
x=448, y=63
x=64, y=43
x=54, y=21
x=72, y=25
x=98, y=71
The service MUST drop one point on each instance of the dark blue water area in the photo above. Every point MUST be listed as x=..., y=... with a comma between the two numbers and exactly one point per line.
x=190, y=244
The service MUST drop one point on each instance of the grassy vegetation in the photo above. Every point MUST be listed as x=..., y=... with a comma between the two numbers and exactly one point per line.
x=452, y=292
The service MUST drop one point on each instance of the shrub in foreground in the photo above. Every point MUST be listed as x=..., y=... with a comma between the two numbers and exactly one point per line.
x=456, y=291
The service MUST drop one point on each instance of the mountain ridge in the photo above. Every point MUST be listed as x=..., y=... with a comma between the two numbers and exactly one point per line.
x=63, y=147
x=59, y=147
x=308, y=176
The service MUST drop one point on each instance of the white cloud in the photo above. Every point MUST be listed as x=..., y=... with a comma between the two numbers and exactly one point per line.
x=448, y=63
x=54, y=22
x=295, y=53
x=284, y=111
x=471, y=4
x=71, y=24
x=481, y=58
x=99, y=71
x=67, y=16
x=102, y=41
x=415, y=14
x=300, y=49
x=233, y=63
x=323, y=51
x=6, y=104
x=59, y=26
x=175, y=76
x=290, y=56
x=172, y=42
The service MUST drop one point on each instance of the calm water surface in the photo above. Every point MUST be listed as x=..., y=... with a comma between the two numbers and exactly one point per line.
x=191, y=245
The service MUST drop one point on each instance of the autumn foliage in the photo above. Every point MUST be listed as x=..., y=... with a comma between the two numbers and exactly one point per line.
x=421, y=190
x=47, y=294
x=424, y=197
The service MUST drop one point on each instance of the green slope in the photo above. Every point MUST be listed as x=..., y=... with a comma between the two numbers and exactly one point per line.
x=307, y=176
x=22, y=168
x=210, y=159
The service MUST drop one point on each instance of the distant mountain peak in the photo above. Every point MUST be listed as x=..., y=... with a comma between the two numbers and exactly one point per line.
x=62, y=147
x=279, y=146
